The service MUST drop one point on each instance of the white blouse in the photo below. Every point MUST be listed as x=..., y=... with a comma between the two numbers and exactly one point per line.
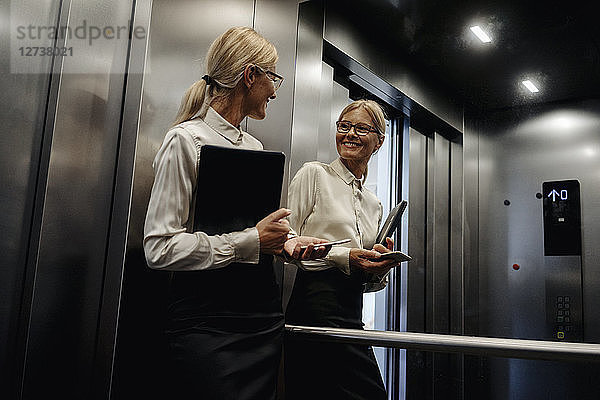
x=329, y=202
x=168, y=244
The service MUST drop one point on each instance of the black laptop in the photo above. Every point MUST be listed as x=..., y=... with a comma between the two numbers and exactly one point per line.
x=236, y=188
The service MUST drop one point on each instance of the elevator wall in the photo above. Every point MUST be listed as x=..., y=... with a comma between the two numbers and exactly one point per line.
x=515, y=150
x=82, y=135
x=23, y=117
x=64, y=113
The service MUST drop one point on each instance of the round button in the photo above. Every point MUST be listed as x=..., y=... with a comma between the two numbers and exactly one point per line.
x=516, y=267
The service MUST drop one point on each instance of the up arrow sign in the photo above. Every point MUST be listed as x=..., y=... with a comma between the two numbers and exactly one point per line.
x=554, y=193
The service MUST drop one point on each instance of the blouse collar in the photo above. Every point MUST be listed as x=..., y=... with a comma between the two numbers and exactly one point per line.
x=222, y=126
x=344, y=173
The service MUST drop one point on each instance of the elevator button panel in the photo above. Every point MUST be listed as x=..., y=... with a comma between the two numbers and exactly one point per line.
x=563, y=327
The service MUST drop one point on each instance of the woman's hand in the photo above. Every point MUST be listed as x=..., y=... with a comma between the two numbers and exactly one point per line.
x=293, y=248
x=367, y=260
x=273, y=231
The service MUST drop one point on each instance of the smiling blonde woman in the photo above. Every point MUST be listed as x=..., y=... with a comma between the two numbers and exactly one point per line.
x=330, y=201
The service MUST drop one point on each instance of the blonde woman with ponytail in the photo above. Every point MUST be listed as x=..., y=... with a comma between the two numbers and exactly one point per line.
x=225, y=326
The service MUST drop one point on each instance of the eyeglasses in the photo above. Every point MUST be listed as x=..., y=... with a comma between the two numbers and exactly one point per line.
x=360, y=128
x=275, y=78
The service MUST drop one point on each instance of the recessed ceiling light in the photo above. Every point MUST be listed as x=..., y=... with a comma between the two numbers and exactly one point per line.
x=529, y=85
x=480, y=34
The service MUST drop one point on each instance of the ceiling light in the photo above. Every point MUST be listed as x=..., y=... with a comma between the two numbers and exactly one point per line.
x=529, y=85
x=480, y=34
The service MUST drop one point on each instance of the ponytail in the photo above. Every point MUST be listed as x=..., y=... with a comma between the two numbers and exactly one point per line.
x=227, y=57
x=192, y=102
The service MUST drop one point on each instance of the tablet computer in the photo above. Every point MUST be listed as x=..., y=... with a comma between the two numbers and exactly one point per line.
x=236, y=188
x=391, y=222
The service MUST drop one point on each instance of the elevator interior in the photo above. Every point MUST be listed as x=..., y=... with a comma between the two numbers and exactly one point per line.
x=476, y=156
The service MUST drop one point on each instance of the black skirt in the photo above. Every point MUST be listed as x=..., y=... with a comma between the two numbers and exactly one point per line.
x=225, y=333
x=325, y=370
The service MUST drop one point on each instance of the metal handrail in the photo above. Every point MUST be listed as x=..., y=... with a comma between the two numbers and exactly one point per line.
x=486, y=346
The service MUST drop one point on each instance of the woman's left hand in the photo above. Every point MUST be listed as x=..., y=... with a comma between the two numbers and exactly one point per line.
x=383, y=266
x=293, y=247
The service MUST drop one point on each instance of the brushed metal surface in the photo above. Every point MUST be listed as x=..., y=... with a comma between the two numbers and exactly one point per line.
x=498, y=347
x=23, y=115
x=519, y=149
x=76, y=210
x=309, y=57
x=417, y=231
x=102, y=382
x=440, y=217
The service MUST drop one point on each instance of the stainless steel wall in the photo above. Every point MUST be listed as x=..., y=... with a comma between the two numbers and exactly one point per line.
x=23, y=115
x=518, y=150
x=435, y=275
x=71, y=137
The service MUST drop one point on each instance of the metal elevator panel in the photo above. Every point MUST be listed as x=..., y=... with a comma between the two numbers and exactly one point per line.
x=562, y=259
x=23, y=115
x=435, y=277
x=69, y=268
x=520, y=288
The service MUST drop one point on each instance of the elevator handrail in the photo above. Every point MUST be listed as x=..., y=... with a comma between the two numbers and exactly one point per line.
x=486, y=346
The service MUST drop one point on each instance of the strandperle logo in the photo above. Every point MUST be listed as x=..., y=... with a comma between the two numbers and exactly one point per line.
x=81, y=46
x=84, y=31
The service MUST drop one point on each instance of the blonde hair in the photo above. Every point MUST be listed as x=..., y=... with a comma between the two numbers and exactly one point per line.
x=226, y=60
x=374, y=110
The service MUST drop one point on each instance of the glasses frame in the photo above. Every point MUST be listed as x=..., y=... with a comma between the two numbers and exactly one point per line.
x=353, y=126
x=275, y=78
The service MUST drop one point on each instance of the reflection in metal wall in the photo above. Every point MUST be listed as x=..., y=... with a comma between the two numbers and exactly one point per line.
x=518, y=151
x=22, y=112
x=73, y=179
x=435, y=274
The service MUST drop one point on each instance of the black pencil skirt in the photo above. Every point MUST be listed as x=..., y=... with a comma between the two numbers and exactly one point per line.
x=225, y=333
x=325, y=370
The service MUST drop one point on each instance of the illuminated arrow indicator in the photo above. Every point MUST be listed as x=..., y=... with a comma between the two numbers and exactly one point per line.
x=554, y=193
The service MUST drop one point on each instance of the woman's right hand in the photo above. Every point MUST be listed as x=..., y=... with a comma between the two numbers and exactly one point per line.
x=366, y=260
x=273, y=231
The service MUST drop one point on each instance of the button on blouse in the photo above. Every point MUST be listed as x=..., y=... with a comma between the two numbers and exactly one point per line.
x=329, y=202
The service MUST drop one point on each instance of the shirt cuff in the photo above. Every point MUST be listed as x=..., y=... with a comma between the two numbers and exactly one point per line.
x=376, y=283
x=340, y=257
x=246, y=246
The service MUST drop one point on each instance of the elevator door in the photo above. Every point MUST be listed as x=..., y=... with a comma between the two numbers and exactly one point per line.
x=333, y=97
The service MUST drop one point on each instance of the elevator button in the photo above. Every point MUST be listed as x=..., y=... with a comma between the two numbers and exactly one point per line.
x=560, y=335
x=567, y=319
x=567, y=312
x=559, y=299
x=560, y=312
x=567, y=305
x=559, y=319
x=567, y=299
x=561, y=328
x=568, y=329
x=560, y=305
